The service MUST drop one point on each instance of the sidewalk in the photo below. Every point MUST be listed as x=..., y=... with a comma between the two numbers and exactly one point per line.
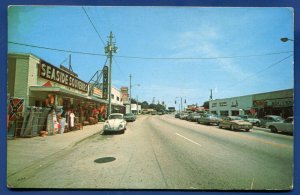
x=22, y=152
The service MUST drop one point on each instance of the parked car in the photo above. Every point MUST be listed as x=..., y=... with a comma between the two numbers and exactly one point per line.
x=130, y=117
x=115, y=123
x=177, y=115
x=286, y=125
x=209, y=119
x=235, y=123
x=160, y=112
x=183, y=115
x=254, y=121
x=193, y=116
x=270, y=118
x=154, y=112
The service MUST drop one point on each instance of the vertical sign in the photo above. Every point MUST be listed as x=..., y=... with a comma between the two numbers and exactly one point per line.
x=105, y=82
x=124, y=91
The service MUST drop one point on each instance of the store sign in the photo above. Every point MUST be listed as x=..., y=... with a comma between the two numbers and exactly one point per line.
x=281, y=102
x=97, y=91
x=125, y=95
x=52, y=73
x=105, y=82
x=259, y=103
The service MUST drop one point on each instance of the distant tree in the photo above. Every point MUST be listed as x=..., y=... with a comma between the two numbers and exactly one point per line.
x=145, y=105
x=152, y=106
x=206, y=105
x=133, y=101
x=159, y=107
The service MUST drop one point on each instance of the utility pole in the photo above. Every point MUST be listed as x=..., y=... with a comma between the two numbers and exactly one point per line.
x=109, y=50
x=130, y=93
x=181, y=103
x=210, y=97
x=137, y=105
x=70, y=63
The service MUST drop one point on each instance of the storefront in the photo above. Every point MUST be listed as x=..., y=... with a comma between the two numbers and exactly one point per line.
x=279, y=103
x=231, y=106
x=46, y=89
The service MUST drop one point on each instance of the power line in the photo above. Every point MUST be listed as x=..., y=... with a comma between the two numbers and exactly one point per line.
x=93, y=26
x=55, y=49
x=201, y=58
x=255, y=74
x=134, y=57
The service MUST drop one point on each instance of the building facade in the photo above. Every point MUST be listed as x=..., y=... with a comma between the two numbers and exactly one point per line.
x=279, y=103
x=38, y=86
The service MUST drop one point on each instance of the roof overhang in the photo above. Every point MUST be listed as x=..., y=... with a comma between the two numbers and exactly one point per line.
x=61, y=91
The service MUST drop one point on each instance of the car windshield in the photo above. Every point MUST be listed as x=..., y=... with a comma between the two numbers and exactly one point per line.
x=115, y=117
x=211, y=115
x=244, y=116
x=129, y=114
x=236, y=118
x=278, y=118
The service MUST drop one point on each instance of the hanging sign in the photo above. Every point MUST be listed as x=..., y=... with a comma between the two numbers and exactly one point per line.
x=52, y=73
x=105, y=82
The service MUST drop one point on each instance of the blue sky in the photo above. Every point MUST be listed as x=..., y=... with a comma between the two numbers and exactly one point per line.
x=166, y=32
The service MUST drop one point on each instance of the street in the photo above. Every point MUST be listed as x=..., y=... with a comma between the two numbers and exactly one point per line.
x=162, y=152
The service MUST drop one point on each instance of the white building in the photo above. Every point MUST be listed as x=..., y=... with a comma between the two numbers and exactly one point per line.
x=231, y=106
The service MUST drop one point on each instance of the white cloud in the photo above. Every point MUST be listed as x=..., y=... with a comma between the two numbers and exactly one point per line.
x=204, y=43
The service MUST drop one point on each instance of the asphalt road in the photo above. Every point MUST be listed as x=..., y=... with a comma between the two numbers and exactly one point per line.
x=161, y=152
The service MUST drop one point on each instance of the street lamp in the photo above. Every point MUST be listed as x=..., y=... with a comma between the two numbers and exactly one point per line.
x=285, y=39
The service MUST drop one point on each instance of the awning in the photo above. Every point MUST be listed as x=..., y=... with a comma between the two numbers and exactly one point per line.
x=61, y=91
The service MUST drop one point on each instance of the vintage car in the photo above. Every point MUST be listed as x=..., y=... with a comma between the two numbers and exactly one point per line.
x=129, y=117
x=252, y=120
x=115, y=123
x=286, y=126
x=270, y=118
x=183, y=115
x=193, y=116
x=235, y=123
x=209, y=119
x=154, y=112
x=177, y=115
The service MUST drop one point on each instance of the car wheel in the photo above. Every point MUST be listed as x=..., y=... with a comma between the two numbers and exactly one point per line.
x=273, y=129
x=247, y=130
x=220, y=126
x=232, y=128
x=257, y=124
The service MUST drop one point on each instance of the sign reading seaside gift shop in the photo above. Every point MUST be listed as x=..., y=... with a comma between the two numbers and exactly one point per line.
x=52, y=73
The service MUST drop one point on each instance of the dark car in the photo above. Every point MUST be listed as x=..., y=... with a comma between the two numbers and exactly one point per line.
x=209, y=119
x=194, y=116
x=177, y=115
x=129, y=117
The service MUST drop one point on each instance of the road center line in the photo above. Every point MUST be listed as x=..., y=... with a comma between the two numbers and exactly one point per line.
x=188, y=139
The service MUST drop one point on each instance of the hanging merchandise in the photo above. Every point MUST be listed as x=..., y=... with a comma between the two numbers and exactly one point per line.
x=72, y=117
x=62, y=125
x=52, y=126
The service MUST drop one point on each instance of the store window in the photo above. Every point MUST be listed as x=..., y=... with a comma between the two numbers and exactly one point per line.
x=234, y=112
x=224, y=113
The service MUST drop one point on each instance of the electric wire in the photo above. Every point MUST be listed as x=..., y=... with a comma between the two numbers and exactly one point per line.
x=55, y=49
x=148, y=58
x=257, y=73
x=93, y=25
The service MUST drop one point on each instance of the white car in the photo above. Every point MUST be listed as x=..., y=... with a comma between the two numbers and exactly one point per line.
x=286, y=126
x=115, y=123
